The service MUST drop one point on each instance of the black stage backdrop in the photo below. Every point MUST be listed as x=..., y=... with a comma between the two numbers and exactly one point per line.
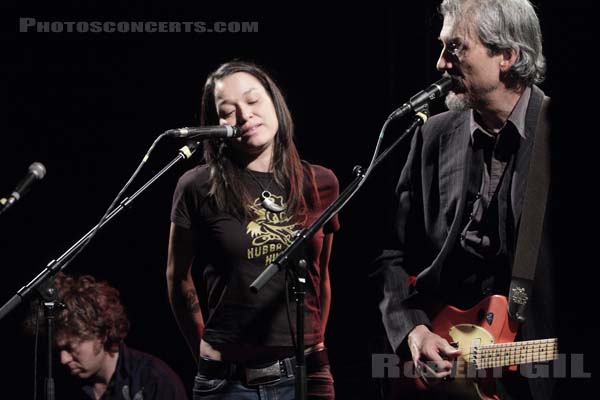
x=88, y=105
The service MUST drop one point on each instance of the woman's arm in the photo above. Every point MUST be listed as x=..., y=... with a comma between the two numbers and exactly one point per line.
x=182, y=292
x=325, y=284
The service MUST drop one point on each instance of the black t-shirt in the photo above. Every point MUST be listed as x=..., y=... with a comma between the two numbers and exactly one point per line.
x=232, y=253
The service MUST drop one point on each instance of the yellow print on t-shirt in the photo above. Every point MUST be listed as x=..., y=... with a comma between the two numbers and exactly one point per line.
x=270, y=231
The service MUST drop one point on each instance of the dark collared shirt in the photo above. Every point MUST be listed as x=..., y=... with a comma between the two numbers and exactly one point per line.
x=480, y=264
x=140, y=376
x=483, y=235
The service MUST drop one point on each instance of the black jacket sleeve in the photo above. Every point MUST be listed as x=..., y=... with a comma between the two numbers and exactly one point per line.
x=395, y=274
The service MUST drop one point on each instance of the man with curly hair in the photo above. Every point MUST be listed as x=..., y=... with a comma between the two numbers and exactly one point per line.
x=89, y=334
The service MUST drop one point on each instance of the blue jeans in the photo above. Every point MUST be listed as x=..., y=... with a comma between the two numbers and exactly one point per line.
x=319, y=386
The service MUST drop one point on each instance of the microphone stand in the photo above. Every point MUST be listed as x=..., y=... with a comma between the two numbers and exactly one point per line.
x=298, y=267
x=52, y=306
x=59, y=264
x=45, y=286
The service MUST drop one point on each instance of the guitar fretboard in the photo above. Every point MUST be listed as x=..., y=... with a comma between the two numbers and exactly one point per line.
x=504, y=354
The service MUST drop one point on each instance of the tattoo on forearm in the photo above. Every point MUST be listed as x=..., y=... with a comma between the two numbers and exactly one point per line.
x=191, y=301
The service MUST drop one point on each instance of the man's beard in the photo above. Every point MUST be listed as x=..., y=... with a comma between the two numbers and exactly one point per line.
x=475, y=98
x=455, y=103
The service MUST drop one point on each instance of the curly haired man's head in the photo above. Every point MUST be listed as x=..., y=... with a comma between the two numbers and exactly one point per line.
x=93, y=311
x=89, y=329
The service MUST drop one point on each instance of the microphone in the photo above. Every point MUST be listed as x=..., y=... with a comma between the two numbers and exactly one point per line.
x=436, y=90
x=36, y=172
x=206, y=132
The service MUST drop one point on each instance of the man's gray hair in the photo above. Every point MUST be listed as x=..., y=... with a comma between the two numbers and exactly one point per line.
x=501, y=25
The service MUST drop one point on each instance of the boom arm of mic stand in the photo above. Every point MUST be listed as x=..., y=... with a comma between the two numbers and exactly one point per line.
x=59, y=264
x=335, y=207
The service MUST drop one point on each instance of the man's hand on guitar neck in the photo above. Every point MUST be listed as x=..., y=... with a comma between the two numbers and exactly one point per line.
x=431, y=354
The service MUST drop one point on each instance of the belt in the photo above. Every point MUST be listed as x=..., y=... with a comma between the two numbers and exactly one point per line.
x=260, y=374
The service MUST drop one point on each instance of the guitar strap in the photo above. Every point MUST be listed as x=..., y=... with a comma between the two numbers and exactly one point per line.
x=532, y=220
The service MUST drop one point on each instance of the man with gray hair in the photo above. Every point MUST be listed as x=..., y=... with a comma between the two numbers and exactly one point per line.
x=460, y=194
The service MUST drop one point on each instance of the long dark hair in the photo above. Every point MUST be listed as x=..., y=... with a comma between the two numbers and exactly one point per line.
x=226, y=184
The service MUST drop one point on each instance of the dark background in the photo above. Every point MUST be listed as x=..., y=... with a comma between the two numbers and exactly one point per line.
x=88, y=106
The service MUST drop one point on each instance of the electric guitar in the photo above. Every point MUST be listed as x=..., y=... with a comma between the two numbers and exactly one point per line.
x=485, y=335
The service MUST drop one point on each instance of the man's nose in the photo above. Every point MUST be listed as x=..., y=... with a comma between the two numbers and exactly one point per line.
x=65, y=357
x=444, y=62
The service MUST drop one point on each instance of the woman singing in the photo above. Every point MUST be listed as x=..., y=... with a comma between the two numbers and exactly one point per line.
x=231, y=217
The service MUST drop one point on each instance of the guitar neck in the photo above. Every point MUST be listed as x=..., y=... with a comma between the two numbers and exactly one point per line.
x=505, y=354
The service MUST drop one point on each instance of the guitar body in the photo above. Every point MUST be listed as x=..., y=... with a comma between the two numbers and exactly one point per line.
x=486, y=323
x=485, y=335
